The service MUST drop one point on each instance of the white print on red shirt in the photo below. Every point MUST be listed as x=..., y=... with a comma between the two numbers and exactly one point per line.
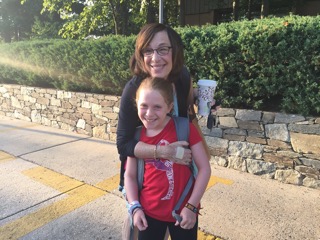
x=167, y=166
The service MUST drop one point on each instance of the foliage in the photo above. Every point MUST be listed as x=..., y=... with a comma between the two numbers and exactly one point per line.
x=81, y=18
x=22, y=22
x=103, y=17
x=262, y=64
x=270, y=64
x=76, y=65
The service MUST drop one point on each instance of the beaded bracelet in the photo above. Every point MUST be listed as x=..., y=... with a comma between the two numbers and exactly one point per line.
x=155, y=152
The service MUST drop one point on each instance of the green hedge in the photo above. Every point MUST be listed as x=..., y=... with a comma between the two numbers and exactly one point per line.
x=99, y=66
x=270, y=64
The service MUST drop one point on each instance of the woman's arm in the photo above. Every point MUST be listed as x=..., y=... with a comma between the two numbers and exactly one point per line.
x=128, y=120
x=194, y=119
x=144, y=150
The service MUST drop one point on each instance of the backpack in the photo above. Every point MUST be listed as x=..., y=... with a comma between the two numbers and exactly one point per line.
x=182, y=130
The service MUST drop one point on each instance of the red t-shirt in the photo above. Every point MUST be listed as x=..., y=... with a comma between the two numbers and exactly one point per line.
x=164, y=181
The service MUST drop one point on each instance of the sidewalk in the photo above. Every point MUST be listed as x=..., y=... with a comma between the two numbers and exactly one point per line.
x=63, y=185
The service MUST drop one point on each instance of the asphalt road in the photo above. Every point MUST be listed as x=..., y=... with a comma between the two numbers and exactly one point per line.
x=56, y=184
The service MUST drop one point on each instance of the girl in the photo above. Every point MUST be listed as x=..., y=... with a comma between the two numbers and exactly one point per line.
x=164, y=180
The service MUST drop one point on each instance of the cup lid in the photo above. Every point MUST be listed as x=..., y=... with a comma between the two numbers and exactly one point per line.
x=207, y=82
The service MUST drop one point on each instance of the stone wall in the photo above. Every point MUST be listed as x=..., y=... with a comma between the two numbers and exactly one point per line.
x=274, y=145
x=87, y=113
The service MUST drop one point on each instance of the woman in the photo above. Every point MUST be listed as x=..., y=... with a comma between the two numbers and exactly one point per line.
x=158, y=53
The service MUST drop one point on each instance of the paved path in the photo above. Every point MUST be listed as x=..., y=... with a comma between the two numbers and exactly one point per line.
x=62, y=185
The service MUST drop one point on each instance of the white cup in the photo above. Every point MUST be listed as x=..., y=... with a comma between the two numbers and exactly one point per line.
x=206, y=90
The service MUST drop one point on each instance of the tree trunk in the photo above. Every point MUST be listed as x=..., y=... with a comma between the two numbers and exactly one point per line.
x=296, y=4
x=182, y=13
x=6, y=27
x=264, y=8
x=151, y=13
x=124, y=18
x=249, y=9
x=235, y=10
x=114, y=16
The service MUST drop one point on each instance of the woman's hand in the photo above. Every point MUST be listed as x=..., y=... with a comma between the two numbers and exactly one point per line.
x=215, y=106
x=176, y=152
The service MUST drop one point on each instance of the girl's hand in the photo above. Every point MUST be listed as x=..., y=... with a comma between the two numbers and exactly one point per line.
x=189, y=219
x=139, y=220
x=173, y=153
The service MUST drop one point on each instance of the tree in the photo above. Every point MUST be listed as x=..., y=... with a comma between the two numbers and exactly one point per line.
x=15, y=22
x=46, y=26
x=5, y=24
x=24, y=21
x=102, y=17
x=98, y=17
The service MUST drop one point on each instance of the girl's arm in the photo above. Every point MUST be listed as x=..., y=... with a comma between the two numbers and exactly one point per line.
x=204, y=172
x=130, y=180
x=132, y=193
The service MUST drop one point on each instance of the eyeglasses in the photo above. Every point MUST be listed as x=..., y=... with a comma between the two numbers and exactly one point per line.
x=148, y=52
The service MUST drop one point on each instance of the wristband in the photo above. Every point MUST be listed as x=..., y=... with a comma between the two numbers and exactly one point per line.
x=135, y=210
x=192, y=208
x=133, y=207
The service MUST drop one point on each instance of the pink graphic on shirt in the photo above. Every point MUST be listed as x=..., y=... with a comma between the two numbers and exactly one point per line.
x=164, y=165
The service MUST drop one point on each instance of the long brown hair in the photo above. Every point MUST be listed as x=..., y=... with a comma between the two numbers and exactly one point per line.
x=144, y=38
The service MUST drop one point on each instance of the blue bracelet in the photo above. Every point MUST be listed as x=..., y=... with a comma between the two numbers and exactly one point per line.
x=133, y=207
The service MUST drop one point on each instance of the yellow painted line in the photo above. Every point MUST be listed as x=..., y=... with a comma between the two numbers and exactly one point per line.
x=109, y=184
x=206, y=236
x=214, y=180
x=6, y=156
x=76, y=198
x=52, y=179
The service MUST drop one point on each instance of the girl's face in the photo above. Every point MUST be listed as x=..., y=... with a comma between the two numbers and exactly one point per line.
x=157, y=65
x=152, y=109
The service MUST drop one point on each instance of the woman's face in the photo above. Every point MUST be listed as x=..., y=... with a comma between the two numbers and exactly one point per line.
x=156, y=65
